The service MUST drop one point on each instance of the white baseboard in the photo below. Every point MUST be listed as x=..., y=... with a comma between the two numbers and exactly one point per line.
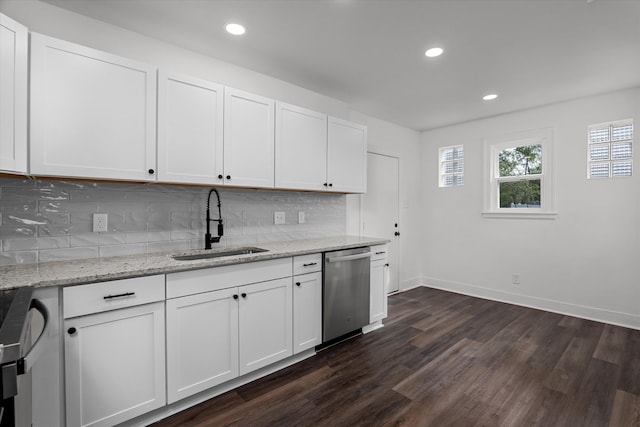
x=414, y=282
x=627, y=320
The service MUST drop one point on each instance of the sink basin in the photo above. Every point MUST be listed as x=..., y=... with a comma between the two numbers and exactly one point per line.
x=219, y=254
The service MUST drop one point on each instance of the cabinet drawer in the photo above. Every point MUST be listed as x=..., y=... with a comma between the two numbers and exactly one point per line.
x=307, y=264
x=379, y=252
x=217, y=278
x=104, y=296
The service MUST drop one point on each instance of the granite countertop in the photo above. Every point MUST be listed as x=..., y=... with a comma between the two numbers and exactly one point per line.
x=63, y=273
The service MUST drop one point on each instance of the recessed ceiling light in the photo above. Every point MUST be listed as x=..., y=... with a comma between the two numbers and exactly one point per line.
x=434, y=51
x=490, y=97
x=235, y=29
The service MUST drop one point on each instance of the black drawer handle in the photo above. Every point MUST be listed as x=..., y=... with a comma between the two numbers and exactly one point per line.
x=386, y=265
x=310, y=264
x=220, y=177
x=71, y=331
x=298, y=283
x=228, y=176
x=235, y=297
x=380, y=253
x=126, y=294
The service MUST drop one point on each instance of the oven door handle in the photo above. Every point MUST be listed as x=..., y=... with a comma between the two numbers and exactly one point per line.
x=37, y=348
x=349, y=257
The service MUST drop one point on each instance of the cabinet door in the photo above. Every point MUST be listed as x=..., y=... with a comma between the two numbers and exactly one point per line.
x=93, y=114
x=13, y=102
x=301, y=148
x=114, y=365
x=266, y=333
x=379, y=274
x=347, y=156
x=202, y=342
x=189, y=130
x=248, y=139
x=307, y=311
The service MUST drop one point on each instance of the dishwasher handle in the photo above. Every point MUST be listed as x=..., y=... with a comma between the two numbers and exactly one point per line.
x=349, y=257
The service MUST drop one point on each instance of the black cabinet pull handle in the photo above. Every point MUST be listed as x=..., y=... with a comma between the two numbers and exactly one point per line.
x=297, y=283
x=330, y=184
x=220, y=176
x=244, y=295
x=380, y=253
x=235, y=297
x=151, y=171
x=126, y=294
x=71, y=331
x=228, y=176
x=309, y=264
x=397, y=233
x=386, y=265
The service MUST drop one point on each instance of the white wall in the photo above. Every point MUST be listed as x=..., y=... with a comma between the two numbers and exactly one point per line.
x=586, y=262
x=404, y=143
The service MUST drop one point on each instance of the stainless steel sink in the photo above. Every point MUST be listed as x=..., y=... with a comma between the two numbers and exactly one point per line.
x=219, y=254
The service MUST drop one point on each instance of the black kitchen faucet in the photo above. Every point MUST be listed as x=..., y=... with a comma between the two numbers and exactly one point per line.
x=207, y=237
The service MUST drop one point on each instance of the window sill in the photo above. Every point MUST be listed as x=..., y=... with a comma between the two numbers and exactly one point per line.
x=520, y=215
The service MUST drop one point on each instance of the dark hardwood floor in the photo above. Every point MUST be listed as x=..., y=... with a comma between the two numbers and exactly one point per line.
x=445, y=359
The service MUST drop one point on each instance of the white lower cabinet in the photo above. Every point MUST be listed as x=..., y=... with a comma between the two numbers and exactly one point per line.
x=114, y=342
x=379, y=283
x=202, y=342
x=266, y=323
x=114, y=365
x=217, y=332
x=307, y=311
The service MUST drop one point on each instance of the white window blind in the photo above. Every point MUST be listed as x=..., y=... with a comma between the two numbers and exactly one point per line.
x=451, y=166
x=610, y=150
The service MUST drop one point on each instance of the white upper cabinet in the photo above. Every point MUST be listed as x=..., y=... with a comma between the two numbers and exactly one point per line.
x=93, y=114
x=248, y=139
x=190, y=147
x=14, y=51
x=347, y=156
x=301, y=148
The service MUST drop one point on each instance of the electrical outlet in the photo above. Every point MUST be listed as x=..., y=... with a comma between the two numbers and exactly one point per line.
x=301, y=218
x=99, y=222
x=515, y=278
x=279, y=218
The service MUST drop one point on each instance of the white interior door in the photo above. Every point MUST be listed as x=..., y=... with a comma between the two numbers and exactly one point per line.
x=381, y=208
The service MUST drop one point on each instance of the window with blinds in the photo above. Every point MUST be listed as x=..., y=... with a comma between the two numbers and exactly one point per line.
x=610, y=150
x=451, y=166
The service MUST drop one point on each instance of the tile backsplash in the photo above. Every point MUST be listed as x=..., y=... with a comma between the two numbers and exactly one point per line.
x=51, y=220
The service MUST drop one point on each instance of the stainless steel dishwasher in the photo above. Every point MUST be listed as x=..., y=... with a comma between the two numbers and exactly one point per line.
x=345, y=292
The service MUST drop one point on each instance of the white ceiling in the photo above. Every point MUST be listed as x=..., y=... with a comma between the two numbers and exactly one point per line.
x=370, y=53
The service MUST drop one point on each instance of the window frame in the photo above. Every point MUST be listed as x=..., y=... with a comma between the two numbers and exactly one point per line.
x=610, y=161
x=441, y=169
x=492, y=147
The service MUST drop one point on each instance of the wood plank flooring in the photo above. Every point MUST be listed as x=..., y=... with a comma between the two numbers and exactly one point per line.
x=445, y=359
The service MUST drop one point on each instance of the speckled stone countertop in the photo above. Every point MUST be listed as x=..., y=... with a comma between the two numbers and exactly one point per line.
x=64, y=273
